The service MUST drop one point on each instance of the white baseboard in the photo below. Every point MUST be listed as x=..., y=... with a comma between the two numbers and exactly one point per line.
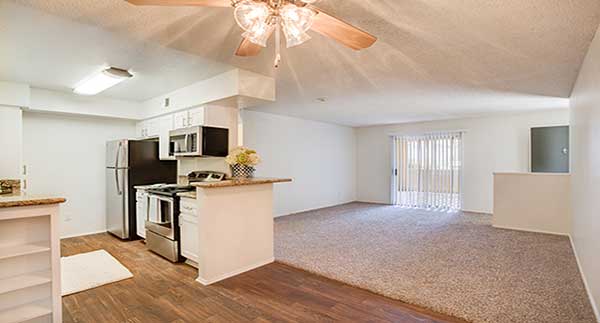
x=587, y=287
x=478, y=212
x=82, y=234
x=529, y=230
x=236, y=272
x=374, y=202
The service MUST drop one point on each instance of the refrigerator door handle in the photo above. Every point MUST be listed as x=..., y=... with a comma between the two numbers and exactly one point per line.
x=118, y=153
x=119, y=191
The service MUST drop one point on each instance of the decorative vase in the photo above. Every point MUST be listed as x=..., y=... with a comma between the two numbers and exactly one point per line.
x=242, y=171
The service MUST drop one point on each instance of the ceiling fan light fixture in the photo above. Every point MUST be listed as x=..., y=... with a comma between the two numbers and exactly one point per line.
x=294, y=36
x=300, y=17
x=296, y=22
x=248, y=13
x=259, y=33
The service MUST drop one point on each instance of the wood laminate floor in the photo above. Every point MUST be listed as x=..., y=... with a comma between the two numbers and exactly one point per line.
x=165, y=292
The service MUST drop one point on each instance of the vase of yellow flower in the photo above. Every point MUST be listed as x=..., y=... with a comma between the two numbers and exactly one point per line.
x=242, y=161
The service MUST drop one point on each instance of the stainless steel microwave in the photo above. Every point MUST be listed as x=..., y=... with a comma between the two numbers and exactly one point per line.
x=199, y=141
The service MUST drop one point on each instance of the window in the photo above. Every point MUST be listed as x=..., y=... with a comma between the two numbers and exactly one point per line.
x=429, y=173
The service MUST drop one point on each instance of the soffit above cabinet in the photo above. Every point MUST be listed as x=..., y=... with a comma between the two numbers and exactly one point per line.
x=236, y=89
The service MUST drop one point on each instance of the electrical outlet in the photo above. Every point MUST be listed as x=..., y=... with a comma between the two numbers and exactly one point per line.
x=66, y=217
x=167, y=102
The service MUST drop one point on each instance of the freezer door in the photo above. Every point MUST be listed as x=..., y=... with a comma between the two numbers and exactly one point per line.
x=117, y=153
x=117, y=202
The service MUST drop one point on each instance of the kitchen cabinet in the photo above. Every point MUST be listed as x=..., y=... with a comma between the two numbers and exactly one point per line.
x=188, y=226
x=189, y=118
x=196, y=117
x=180, y=119
x=30, y=261
x=213, y=116
x=166, y=125
x=148, y=128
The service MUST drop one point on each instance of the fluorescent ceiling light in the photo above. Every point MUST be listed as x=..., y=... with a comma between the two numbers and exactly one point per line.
x=101, y=81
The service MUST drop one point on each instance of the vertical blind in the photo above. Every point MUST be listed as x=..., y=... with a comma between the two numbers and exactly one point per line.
x=430, y=171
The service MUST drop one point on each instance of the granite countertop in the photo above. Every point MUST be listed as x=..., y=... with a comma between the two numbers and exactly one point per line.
x=240, y=182
x=190, y=194
x=20, y=199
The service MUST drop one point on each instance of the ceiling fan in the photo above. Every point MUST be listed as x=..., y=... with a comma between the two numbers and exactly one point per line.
x=261, y=18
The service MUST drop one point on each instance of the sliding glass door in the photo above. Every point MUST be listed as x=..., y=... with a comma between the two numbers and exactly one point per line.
x=429, y=171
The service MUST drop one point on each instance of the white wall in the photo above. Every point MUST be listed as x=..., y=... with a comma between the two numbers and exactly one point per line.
x=10, y=142
x=491, y=144
x=62, y=102
x=585, y=170
x=14, y=94
x=65, y=156
x=533, y=202
x=319, y=157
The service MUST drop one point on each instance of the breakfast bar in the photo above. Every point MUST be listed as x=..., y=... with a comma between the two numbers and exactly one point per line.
x=29, y=258
x=235, y=226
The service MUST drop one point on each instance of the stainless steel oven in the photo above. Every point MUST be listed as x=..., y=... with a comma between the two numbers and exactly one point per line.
x=162, y=227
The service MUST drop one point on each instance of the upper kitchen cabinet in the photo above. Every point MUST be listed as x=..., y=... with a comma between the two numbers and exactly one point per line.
x=196, y=117
x=148, y=128
x=167, y=123
x=180, y=119
x=209, y=115
x=189, y=118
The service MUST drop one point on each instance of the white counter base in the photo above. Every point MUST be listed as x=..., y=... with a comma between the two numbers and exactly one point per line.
x=235, y=230
x=535, y=202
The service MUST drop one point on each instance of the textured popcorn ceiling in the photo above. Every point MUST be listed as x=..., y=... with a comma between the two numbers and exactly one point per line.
x=434, y=59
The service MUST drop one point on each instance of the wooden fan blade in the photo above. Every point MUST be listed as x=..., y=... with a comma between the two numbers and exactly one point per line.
x=341, y=31
x=191, y=3
x=248, y=48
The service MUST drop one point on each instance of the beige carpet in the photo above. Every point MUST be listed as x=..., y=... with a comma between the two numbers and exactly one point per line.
x=455, y=264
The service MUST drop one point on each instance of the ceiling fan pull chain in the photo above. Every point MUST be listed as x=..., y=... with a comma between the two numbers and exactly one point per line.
x=277, y=43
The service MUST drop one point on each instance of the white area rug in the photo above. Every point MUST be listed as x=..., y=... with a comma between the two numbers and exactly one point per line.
x=88, y=270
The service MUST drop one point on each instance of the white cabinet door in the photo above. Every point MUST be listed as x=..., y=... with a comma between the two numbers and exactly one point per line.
x=189, y=236
x=153, y=128
x=196, y=117
x=166, y=125
x=140, y=129
x=181, y=120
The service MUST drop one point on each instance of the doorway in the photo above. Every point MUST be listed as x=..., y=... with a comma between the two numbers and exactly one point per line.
x=550, y=149
x=428, y=171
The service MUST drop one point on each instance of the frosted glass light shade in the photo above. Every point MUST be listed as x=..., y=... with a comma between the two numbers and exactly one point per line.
x=259, y=33
x=248, y=13
x=296, y=22
x=300, y=17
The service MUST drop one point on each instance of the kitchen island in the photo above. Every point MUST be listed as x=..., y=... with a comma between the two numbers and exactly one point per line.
x=30, y=258
x=235, y=226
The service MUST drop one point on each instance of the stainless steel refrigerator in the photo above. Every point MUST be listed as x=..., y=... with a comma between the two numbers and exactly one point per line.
x=130, y=163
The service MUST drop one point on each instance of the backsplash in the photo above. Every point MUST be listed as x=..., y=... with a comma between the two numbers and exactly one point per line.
x=10, y=186
x=188, y=165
